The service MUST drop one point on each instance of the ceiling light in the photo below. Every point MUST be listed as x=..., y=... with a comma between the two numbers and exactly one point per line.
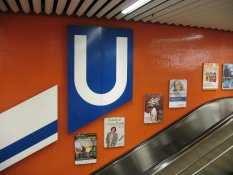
x=135, y=6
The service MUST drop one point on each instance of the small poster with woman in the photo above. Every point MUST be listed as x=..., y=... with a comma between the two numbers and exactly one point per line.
x=210, y=76
x=85, y=148
x=114, y=132
x=153, y=108
x=178, y=93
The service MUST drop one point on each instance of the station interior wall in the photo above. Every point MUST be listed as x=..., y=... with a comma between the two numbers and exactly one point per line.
x=33, y=58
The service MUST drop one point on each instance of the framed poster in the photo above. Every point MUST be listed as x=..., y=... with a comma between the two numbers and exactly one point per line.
x=178, y=93
x=227, y=76
x=210, y=76
x=114, y=132
x=85, y=148
x=153, y=108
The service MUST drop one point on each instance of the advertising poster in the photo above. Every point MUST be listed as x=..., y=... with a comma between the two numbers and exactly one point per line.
x=227, y=78
x=153, y=108
x=85, y=148
x=210, y=76
x=178, y=93
x=114, y=132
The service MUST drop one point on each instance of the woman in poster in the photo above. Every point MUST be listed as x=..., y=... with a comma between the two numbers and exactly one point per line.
x=178, y=93
x=112, y=138
x=178, y=88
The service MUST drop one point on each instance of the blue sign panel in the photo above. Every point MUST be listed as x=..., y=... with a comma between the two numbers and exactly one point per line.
x=100, y=72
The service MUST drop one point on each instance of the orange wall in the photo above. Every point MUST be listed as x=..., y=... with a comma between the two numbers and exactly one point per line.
x=33, y=57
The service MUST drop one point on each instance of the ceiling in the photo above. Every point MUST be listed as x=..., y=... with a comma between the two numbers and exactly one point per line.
x=212, y=14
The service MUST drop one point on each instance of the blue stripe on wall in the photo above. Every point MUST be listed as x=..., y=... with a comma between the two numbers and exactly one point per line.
x=28, y=141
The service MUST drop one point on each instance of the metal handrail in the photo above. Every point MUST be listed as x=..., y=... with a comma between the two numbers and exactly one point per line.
x=191, y=146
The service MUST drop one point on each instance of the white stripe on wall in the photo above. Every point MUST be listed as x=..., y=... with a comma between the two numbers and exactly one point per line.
x=27, y=117
x=28, y=151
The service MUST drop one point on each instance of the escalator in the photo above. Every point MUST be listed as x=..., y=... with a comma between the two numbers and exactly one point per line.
x=199, y=143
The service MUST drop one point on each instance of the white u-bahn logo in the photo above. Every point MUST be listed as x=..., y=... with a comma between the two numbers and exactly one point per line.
x=80, y=70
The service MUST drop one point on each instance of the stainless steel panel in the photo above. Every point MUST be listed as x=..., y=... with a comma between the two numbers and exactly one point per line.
x=226, y=106
x=155, y=152
x=186, y=131
x=166, y=142
x=209, y=114
x=150, y=154
x=125, y=166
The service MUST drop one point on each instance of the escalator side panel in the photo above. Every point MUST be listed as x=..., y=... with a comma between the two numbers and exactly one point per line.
x=184, y=133
x=209, y=114
x=124, y=167
x=226, y=107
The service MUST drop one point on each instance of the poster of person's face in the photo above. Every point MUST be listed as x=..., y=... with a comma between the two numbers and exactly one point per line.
x=114, y=132
x=177, y=93
x=153, y=110
x=227, y=78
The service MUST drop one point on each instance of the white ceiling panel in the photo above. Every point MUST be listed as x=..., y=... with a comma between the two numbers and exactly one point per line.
x=72, y=6
x=13, y=5
x=3, y=6
x=60, y=6
x=84, y=7
x=168, y=9
x=49, y=6
x=211, y=14
x=96, y=7
x=36, y=6
x=25, y=5
x=156, y=9
x=195, y=12
x=183, y=10
x=107, y=8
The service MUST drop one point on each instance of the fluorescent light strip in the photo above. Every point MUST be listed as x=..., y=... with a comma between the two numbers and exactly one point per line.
x=135, y=6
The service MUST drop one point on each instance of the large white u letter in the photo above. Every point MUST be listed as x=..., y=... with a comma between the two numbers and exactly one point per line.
x=80, y=72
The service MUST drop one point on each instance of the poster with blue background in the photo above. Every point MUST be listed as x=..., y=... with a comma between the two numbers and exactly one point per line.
x=100, y=72
x=227, y=79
